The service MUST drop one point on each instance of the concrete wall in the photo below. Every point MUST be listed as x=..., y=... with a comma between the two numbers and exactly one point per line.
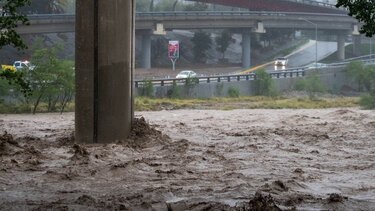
x=333, y=79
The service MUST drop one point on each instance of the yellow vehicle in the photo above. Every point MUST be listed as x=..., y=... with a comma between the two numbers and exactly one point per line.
x=8, y=67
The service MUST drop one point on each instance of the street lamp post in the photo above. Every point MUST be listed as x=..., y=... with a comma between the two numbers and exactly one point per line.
x=316, y=40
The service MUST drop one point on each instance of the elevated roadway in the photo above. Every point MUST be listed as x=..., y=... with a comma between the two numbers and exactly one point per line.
x=310, y=6
x=57, y=23
x=246, y=22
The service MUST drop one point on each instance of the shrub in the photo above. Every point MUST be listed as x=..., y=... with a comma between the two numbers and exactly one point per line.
x=191, y=81
x=263, y=83
x=174, y=92
x=147, y=88
x=311, y=84
x=219, y=89
x=361, y=74
x=367, y=101
x=233, y=92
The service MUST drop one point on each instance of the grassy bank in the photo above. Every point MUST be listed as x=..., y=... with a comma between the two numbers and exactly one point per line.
x=149, y=104
x=157, y=104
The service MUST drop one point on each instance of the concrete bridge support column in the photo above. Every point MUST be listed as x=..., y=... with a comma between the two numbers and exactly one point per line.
x=146, y=49
x=341, y=47
x=104, y=69
x=246, y=49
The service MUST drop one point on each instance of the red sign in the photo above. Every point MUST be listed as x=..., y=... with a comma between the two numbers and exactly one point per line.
x=173, y=49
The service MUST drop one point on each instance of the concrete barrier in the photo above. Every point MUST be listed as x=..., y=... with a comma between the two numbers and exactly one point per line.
x=333, y=79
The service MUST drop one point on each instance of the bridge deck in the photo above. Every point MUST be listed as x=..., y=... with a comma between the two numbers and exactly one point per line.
x=278, y=5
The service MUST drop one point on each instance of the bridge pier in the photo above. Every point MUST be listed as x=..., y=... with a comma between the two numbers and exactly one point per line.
x=246, y=48
x=104, y=70
x=341, y=47
x=146, y=49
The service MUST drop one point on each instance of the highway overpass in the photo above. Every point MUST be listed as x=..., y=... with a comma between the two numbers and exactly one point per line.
x=58, y=23
x=245, y=21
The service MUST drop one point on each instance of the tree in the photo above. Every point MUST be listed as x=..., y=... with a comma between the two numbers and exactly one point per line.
x=46, y=6
x=10, y=18
x=197, y=6
x=201, y=43
x=364, y=76
x=363, y=11
x=263, y=83
x=223, y=41
x=360, y=73
x=52, y=79
x=142, y=5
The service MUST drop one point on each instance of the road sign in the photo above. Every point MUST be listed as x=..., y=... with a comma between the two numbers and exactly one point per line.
x=173, y=52
x=173, y=49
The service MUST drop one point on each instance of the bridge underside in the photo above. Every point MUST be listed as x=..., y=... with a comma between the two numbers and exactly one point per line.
x=274, y=5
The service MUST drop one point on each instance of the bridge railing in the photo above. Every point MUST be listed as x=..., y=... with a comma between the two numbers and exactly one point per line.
x=190, y=13
x=287, y=73
x=290, y=73
x=231, y=13
x=316, y=3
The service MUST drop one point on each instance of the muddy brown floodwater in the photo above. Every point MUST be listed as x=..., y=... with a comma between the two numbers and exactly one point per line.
x=194, y=160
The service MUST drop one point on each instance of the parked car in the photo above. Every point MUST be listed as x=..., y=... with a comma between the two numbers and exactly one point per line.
x=23, y=65
x=316, y=65
x=281, y=61
x=186, y=74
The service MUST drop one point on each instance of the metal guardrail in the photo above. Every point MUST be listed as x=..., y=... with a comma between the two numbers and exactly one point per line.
x=287, y=73
x=299, y=72
x=232, y=13
x=194, y=13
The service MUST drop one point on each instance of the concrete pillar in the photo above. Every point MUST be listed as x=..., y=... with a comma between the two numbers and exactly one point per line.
x=341, y=47
x=146, y=49
x=356, y=44
x=104, y=69
x=246, y=50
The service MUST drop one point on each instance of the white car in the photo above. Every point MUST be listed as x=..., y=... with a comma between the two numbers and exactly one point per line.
x=23, y=65
x=282, y=61
x=186, y=74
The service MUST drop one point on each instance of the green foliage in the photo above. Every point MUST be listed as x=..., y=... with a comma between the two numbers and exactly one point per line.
x=16, y=78
x=10, y=19
x=158, y=48
x=174, y=92
x=219, y=89
x=197, y=6
x=367, y=101
x=191, y=81
x=201, y=44
x=47, y=6
x=363, y=11
x=142, y=5
x=158, y=6
x=223, y=41
x=248, y=102
x=52, y=78
x=167, y=5
x=362, y=75
x=263, y=83
x=147, y=88
x=311, y=84
x=233, y=92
